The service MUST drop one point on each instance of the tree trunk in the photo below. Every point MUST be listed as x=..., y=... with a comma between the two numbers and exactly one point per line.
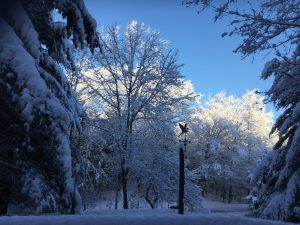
x=73, y=197
x=4, y=197
x=149, y=202
x=117, y=195
x=147, y=198
x=216, y=188
x=223, y=194
x=230, y=195
x=124, y=188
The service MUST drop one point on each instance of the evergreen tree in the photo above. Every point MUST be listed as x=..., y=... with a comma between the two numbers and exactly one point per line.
x=38, y=108
x=277, y=179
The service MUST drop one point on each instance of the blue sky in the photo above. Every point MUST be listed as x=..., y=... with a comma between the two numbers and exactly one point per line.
x=207, y=57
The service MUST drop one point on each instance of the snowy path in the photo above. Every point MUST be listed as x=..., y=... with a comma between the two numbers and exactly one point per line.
x=135, y=217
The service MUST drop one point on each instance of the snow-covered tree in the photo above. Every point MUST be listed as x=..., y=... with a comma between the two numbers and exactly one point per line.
x=37, y=106
x=264, y=25
x=155, y=166
x=229, y=135
x=273, y=26
x=278, y=177
x=91, y=153
x=133, y=80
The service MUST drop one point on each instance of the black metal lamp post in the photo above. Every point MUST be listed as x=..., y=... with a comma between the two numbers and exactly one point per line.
x=182, y=148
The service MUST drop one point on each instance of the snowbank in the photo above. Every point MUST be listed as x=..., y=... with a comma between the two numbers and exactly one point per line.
x=135, y=217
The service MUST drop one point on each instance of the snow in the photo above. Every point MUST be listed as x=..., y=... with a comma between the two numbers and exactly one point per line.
x=25, y=30
x=224, y=208
x=269, y=68
x=135, y=217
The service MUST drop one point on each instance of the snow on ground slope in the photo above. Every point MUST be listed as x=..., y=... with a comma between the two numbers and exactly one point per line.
x=135, y=217
x=225, y=208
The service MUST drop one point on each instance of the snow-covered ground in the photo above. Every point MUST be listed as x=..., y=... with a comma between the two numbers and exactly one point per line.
x=223, y=208
x=136, y=217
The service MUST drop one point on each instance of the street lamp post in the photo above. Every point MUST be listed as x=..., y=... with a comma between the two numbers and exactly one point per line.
x=182, y=149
